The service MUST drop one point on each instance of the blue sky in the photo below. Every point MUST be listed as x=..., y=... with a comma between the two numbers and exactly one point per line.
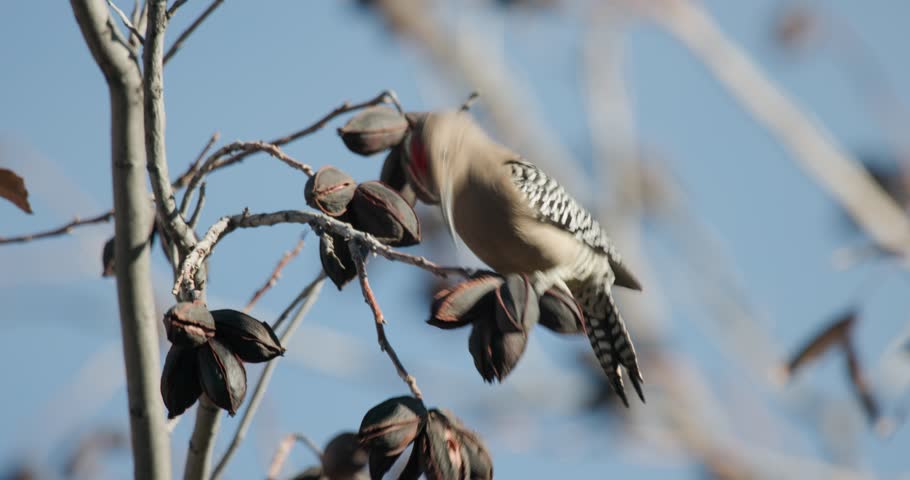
x=255, y=72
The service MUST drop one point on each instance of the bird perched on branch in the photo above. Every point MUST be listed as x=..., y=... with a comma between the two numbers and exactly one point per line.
x=517, y=219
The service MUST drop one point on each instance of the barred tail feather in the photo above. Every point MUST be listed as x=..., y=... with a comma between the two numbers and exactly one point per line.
x=612, y=344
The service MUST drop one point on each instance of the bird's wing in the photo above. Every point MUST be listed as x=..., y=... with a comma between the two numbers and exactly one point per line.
x=555, y=206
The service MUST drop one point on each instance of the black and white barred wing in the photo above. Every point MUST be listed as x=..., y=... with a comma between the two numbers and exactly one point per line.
x=554, y=205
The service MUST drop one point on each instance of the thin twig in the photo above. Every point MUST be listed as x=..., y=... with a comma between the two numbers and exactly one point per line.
x=276, y=325
x=139, y=18
x=126, y=20
x=177, y=4
x=392, y=97
x=187, y=196
x=194, y=218
x=216, y=161
x=186, y=33
x=284, y=449
x=384, y=344
x=387, y=96
x=470, y=101
x=208, y=146
x=345, y=107
x=310, y=294
x=276, y=274
x=62, y=230
x=196, y=257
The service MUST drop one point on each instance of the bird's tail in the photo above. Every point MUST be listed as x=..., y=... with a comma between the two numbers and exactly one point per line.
x=610, y=340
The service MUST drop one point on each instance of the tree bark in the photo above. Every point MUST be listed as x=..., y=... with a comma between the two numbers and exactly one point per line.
x=133, y=218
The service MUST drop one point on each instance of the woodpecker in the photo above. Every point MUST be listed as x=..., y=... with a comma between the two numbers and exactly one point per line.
x=517, y=219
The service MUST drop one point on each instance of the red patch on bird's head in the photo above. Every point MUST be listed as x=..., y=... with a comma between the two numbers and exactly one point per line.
x=418, y=168
x=419, y=164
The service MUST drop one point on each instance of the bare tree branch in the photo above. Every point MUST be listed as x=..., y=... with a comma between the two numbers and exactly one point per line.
x=140, y=21
x=216, y=161
x=276, y=274
x=173, y=10
x=384, y=344
x=175, y=226
x=384, y=97
x=192, y=28
x=345, y=107
x=126, y=20
x=309, y=294
x=814, y=149
x=194, y=218
x=150, y=442
x=284, y=449
x=62, y=230
x=191, y=170
x=194, y=260
x=183, y=180
x=202, y=442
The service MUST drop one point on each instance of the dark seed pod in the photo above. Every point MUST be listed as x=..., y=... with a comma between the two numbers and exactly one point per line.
x=461, y=304
x=412, y=470
x=394, y=176
x=381, y=464
x=518, y=306
x=478, y=456
x=441, y=454
x=330, y=191
x=251, y=340
x=392, y=425
x=311, y=473
x=479, y=346
x=336, y=259
x=343, y=456
x=189, y=324
x=107, y=258
x=495, y=353
x=180, y=380
x=222, y=376
x=392, y=173
x=560, y=312
x=373, y=130
x=384, y=213
x=507, y=351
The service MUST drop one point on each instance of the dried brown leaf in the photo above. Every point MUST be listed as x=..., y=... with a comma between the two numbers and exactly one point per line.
x=12, y=188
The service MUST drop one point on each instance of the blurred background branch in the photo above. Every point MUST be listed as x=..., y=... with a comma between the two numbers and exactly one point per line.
x=815, y=150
